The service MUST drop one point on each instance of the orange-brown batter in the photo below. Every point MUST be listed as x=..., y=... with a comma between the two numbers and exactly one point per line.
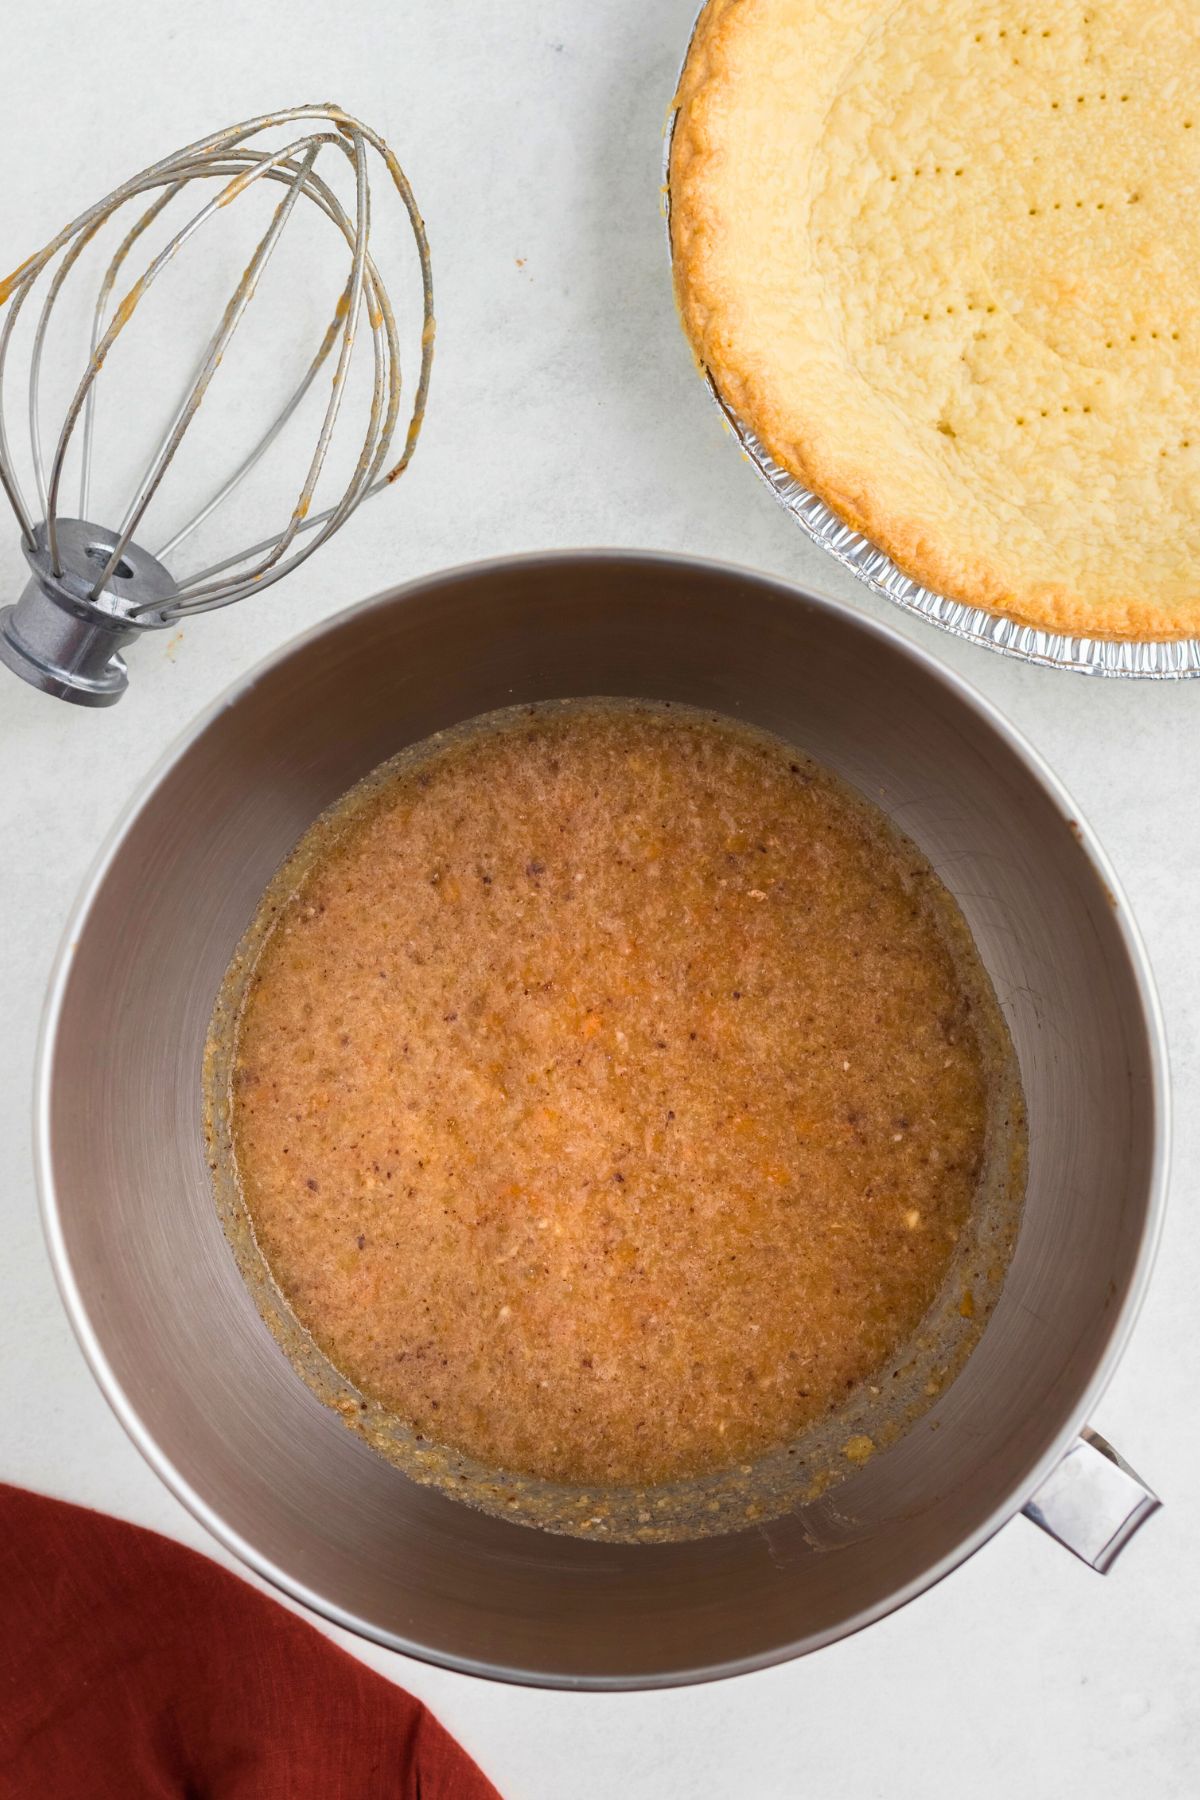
x=608, y=1097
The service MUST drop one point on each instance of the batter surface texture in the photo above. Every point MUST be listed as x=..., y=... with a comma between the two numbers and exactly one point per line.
x=611, y=1091
x=940, y=257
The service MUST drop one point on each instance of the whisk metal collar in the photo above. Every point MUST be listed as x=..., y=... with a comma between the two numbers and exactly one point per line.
x=63, y=636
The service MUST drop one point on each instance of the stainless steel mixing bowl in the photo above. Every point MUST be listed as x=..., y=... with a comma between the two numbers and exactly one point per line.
x=179, y=1347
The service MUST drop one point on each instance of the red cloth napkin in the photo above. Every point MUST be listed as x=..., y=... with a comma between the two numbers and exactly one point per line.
x=131, y=1668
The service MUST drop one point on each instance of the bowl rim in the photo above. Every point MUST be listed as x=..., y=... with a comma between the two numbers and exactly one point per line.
x=75, y=1304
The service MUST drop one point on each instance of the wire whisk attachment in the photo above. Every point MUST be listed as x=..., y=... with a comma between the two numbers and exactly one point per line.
x=93, y=587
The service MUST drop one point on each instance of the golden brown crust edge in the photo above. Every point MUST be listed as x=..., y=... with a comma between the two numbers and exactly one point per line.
x=1048, y=606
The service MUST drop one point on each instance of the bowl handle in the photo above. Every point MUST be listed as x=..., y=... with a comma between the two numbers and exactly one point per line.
x=1092, y=1501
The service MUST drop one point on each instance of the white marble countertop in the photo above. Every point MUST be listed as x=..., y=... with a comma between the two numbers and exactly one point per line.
x=565, y=410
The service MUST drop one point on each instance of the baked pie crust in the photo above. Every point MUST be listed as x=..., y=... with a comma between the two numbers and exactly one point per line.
x=942, y=257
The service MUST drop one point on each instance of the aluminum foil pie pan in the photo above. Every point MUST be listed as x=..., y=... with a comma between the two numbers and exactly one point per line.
x=1153, y=660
